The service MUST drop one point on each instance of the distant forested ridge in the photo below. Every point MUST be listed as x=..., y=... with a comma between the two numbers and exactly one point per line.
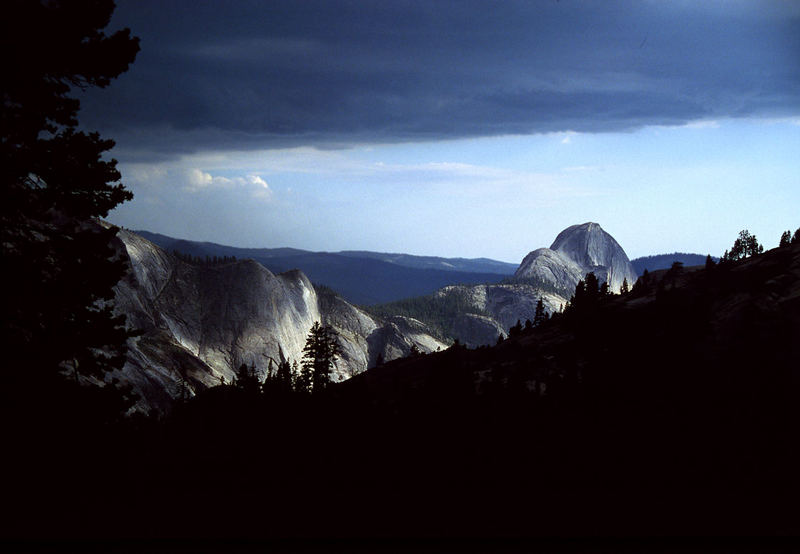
x=665, y=261
x=541, y=284
x=359, y=277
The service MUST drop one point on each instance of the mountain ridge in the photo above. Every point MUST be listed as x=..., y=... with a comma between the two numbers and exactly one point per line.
x=363, y=279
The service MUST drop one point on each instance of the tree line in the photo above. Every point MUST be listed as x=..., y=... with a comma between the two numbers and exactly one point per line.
x=203, y=260
x=311, y=376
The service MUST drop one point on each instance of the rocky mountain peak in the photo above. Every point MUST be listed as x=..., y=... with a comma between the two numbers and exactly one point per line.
x=576, y=251
x=588, y=245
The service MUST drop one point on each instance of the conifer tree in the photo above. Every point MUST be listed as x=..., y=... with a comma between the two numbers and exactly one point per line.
x=540, y=316
x=745, y=246
x=247, y=378
x=322, y=347
x=53, y=182
x=786, y=239
x=625, y=288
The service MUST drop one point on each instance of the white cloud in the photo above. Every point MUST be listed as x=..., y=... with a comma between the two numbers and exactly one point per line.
x=198, y=181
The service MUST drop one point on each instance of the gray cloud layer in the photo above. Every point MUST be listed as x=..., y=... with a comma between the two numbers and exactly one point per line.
x=245, y=75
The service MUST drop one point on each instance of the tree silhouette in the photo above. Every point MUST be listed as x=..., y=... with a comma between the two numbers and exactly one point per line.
x=786, y=239
x=744, y=246
x=540, y=316
x=247, y=379
x=54, y=180
x=625, y=288
x=322, y=347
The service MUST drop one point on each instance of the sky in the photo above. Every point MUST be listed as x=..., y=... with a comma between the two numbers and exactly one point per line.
x=469, y=128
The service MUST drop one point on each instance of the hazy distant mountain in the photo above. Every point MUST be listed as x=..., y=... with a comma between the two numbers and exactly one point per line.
x=360, y=277
x=470, y=265
x=665, y=261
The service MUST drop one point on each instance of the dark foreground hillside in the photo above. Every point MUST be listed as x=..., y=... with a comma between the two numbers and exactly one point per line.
x=670, y=411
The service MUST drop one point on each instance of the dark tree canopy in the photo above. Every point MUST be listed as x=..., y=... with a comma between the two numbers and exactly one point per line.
x=53, y=181
x=322, y=347
x=540, y=315
x=744, y=246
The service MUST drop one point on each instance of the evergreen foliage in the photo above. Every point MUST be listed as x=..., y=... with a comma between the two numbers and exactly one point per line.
x=247, y=379
x=540, y=315
x=540, y=284
x=200, y=260
x=54, y=180
x=319, y=358
x=745, y=246
x=786, y=239
x=437, y=311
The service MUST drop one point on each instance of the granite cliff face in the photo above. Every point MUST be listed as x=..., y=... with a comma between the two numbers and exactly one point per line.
x=201, y=322
x=493, y=309
x=578, y=250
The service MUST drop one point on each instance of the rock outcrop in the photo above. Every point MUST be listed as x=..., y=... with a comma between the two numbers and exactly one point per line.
x=578, y=250
x=201, y=322
x=547, y=273
x=495, y=308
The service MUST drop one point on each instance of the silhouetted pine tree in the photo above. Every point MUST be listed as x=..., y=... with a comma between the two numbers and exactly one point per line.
x=60, y=267
x=322, y=347
x=247, y=379
x=539, y=316
x=744, y=246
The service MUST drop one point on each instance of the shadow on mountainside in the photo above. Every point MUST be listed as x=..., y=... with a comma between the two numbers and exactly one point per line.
x=670, y=410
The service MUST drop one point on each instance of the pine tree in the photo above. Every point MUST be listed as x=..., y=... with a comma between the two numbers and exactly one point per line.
x=592, y=286
x=625, y=288
x=284, y=382
x=247, y=378
x=540, y=316
x=60, y=263
x=745, y=246
x=322, y=347
x=786, y=239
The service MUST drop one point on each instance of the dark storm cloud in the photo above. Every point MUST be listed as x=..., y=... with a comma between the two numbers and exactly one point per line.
x=218, y=75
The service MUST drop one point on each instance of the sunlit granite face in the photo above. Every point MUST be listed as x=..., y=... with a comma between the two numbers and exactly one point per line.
x=201, y=322
x=576, y=251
